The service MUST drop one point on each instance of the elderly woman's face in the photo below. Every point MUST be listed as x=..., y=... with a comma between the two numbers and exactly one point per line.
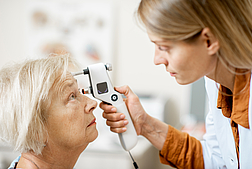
x=70, y=123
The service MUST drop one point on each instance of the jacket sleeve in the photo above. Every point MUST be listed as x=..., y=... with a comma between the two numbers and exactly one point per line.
x=180, y=150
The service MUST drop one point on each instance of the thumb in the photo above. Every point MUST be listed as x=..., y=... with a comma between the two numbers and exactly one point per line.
x=125, y=90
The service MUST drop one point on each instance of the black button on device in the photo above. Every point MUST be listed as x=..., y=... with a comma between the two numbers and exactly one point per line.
x=114, y=97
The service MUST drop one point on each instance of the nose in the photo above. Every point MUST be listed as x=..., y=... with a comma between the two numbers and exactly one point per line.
x=90, y=104
x=159, y=57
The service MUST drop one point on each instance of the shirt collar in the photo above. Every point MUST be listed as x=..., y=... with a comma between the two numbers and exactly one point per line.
x=235, y=105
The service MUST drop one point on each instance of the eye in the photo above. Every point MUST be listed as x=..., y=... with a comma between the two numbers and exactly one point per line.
x=163, y=48
x=72, y=97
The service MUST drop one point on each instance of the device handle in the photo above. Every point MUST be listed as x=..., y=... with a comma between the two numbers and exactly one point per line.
x=128, y=139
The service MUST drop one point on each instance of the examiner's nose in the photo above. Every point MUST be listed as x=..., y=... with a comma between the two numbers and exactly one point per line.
x=159, y=57
x=90, y=105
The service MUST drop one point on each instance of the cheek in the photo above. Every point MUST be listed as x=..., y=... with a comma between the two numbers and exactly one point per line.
x=74, y=118
x=189, y=58
x=66, y=124
x=180, y=61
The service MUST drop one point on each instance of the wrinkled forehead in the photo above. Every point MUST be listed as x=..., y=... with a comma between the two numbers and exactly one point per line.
x=63, y=81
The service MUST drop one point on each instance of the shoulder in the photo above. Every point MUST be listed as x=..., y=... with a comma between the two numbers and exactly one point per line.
x=14, y=162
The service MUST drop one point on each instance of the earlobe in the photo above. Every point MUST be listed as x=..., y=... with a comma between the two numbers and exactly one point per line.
x=212, y=42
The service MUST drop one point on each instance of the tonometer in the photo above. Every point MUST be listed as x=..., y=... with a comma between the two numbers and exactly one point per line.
x=102, y=89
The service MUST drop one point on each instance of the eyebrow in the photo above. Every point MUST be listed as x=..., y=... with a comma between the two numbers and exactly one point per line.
x=158, y=41
x=66, y=84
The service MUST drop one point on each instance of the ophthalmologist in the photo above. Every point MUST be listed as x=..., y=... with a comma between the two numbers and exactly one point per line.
x=194, y=39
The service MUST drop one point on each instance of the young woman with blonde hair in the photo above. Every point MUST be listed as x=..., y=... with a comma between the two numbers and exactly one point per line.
x=194, y=39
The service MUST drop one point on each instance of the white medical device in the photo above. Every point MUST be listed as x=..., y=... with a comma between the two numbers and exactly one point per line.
x=102, y=89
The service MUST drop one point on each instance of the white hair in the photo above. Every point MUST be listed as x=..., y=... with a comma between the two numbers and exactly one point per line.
x=24, y=89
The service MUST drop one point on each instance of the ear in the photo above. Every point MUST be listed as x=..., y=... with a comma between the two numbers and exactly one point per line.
x=45, y=137
x=211, y=41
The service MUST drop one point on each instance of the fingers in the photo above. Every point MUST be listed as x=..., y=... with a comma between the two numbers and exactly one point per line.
x=116, y=121
x=107, y=108
x=118, y=130
x=118, y=127
x=113, y=116
x=117, y=124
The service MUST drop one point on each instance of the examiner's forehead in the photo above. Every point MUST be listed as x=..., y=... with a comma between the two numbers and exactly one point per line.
x=156, y=39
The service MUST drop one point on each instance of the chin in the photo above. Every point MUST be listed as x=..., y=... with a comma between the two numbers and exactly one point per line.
x=184, y=82
x=93, y=136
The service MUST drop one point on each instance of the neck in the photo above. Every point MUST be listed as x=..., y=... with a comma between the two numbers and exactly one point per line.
x=223, y=75
x=56, y=159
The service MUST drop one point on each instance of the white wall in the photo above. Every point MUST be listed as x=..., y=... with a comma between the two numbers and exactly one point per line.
x=133, y=52
x=12, y=27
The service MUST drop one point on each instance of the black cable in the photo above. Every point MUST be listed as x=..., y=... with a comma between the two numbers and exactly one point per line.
x=134, y=163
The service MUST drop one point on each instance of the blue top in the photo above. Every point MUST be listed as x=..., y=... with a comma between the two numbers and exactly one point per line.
x=14, y=162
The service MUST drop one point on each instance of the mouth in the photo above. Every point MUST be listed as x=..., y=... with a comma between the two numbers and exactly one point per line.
x=172, y=74
x=92, y=122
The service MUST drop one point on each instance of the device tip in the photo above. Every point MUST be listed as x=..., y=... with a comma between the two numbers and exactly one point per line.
x=76, y=73
x=108, y=66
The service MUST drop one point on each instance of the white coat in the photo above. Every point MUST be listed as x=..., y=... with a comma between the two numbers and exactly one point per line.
x=218, y=142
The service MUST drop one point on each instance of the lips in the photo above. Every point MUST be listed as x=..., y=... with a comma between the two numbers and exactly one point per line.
x=92, y=122
x=172, y=74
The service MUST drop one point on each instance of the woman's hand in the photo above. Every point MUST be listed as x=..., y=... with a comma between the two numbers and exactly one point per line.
x=116, y=120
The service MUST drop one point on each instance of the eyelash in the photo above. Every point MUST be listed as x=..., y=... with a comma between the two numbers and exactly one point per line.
x=72, y=96
x=163, y=49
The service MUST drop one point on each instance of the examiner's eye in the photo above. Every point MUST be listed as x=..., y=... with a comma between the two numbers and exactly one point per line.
x=162, y=48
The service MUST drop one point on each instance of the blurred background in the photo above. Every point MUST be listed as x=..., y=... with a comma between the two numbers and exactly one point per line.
x=102, y=31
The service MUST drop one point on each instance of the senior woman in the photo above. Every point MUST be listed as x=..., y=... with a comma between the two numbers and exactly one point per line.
x=43, y=114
